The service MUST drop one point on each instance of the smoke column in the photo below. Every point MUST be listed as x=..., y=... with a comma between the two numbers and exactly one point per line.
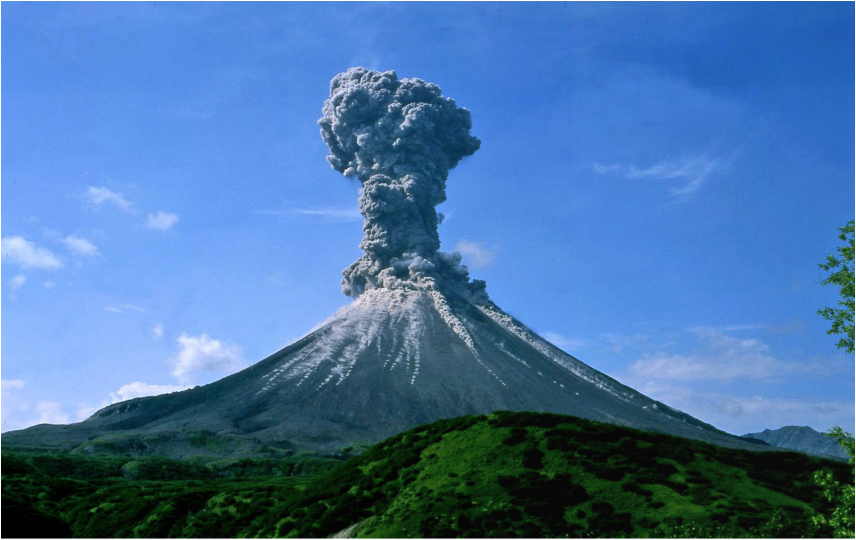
x=400, y=138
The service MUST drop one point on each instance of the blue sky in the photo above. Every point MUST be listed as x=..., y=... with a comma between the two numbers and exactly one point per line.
x=655, y=187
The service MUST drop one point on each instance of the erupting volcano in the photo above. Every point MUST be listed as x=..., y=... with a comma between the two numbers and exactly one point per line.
x=421, y=341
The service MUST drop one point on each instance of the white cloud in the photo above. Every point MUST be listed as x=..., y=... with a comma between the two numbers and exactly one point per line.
x=476, y=254
x=123, y=308
x=13, y=413
x=17, y=282
x=617, y=343
x=49, y=284
x=723, y=358
x=689, y=173
x=565, y=343
x=162, y=221
x=11, y=384
x=741, y=414
x=329, y=214
x=84, y=412
x=50, y=412
x=128, y=391
x=740, y=327
x=100, y=195
x=202, y=354
x=141, y=389
x=783, y=328
x=80, y=245
x=26, y=254
x=333, y=214
x=157, y=331
x=18, y=412
x=739, y=384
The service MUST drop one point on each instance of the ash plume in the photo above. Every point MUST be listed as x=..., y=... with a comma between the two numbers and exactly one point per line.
x=400, y=138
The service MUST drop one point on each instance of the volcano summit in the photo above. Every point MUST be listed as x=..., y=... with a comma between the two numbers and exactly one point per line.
x=421, y=341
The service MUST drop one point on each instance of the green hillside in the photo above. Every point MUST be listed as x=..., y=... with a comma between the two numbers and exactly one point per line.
x=152, y=497
x=502, y=475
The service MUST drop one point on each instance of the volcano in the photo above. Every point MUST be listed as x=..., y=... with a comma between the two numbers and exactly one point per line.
x=420, y=342
x=391, y=360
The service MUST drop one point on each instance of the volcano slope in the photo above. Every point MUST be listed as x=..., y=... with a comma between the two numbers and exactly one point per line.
x=420, y=342
x=388, y=362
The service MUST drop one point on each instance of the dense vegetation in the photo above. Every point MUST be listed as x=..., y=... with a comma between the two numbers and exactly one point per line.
x=841, y=275
x=841, y=269
x=503, y=475
x=56, y=494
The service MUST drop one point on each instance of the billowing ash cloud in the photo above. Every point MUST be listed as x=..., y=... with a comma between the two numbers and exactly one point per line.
x=400, y=137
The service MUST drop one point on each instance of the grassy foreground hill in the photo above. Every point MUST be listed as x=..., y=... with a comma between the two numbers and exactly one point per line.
x=501, y=475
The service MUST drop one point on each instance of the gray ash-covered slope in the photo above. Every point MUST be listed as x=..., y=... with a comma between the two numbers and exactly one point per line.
x=420, y=342
x=388, y=362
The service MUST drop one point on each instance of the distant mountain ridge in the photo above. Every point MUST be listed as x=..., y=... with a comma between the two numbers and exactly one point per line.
x=802, y=439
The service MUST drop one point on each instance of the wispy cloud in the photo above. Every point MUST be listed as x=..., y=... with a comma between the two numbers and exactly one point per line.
x=17, y=282
x=15, y=405
x=198, y=355
x=80, y=245
x=141, y=389
x=132, y=390
x=618, y=343
x=84, y=411
x=565, y=343
x=98, y=196
x=721, y=357
x=26, y=254
x=157, y=331
x=476, y=254
x=688, y=174
x=741, y=414
x=50, y=412
x=328, y=214
x=11, y=384
x=161, y=221
x=124, y=308
x=201, y=354
x=19, y=412
x=784, y=328
x=334, y=214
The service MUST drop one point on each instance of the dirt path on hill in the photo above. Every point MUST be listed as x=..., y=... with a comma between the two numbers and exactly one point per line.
x=347, y=532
